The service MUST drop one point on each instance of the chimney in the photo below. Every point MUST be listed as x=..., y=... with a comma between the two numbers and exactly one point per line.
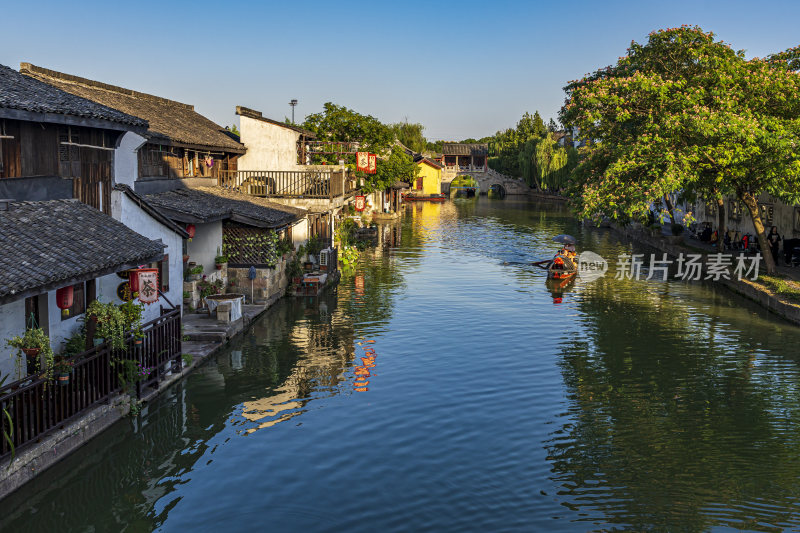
x=5, y=204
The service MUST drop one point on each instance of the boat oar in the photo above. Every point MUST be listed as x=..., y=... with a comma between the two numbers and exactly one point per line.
x=542, y=264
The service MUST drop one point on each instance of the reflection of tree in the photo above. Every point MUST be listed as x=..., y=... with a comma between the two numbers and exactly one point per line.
x=670, y=417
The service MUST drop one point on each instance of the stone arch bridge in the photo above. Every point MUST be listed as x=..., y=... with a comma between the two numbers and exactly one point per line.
x=487, y=179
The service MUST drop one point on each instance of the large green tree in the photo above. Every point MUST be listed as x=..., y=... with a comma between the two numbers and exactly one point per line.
x=338, y=123
x=397, y=166
x=685, y=113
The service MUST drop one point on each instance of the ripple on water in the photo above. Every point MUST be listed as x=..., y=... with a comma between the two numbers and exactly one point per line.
x=489, y=404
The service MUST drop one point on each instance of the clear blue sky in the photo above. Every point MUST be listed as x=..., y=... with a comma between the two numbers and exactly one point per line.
x=463, y=69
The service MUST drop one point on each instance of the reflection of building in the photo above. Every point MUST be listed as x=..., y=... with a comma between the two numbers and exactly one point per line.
x=325, y=348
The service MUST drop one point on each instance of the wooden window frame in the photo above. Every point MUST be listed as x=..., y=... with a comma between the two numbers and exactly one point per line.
x=78, y=303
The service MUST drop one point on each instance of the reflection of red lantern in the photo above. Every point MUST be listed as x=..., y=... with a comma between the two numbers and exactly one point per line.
x=64, y=299
x=190, y=229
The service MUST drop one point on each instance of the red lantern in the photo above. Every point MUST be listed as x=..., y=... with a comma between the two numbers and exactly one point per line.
x=190, y=229
x=133, y=281
x=64, y=299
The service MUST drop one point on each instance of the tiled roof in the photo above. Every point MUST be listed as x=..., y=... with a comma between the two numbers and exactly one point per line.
x=465, y=149
x=50, y=244
x=171, y=122
x=152, y=211
x=419, y=158
x=26, y=94
x=207, y=204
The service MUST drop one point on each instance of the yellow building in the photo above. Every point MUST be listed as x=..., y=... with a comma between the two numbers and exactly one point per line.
x=429, y=179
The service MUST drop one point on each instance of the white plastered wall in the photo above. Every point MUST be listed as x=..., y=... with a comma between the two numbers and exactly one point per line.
x=269, y=146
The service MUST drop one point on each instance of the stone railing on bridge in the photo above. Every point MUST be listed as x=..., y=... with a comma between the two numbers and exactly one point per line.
x=486, y=179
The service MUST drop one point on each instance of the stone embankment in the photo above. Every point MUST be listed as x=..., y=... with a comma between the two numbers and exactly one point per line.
x=674, y=246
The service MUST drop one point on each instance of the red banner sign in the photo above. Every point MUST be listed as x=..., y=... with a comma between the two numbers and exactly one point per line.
x=361, y=203
x=147, y=285
x=372, y=168
x=362, y=161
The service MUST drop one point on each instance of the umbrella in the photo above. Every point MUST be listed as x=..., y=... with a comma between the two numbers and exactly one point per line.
x=564, y=239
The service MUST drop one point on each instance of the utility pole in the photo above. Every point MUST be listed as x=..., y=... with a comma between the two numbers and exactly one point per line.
x=293, y=103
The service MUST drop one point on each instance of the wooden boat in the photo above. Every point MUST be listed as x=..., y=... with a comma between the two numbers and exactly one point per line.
x=562, y=267
x=420, y=198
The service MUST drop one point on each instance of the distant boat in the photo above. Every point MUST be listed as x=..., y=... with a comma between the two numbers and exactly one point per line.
x=411, y=197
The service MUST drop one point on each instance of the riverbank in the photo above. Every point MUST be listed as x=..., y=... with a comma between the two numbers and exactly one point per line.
x=203, y=338
x=752, y=290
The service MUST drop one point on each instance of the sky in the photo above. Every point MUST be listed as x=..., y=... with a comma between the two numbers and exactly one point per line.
x=462, y=69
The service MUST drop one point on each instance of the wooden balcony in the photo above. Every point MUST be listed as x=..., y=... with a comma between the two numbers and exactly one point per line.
x=37, y=405
x=289, y=183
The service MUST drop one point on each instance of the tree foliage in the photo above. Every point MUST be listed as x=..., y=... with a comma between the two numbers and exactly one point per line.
x=410, y=134
x=530, y=152
x=397, y=166
x=338, y=123
x=685, y=113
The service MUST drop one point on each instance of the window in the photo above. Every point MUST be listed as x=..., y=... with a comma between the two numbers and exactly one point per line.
x=78, y=302
x=735, y=211
x=767, y=212
x=32, y=312
x=163, y=273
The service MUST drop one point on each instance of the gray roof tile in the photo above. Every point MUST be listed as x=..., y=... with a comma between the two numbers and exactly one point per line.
x=46, y=243
x=27, y=94
x=206, y=204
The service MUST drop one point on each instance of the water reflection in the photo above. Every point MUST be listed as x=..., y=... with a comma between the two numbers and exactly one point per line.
x=629, y=405
x=677, y=420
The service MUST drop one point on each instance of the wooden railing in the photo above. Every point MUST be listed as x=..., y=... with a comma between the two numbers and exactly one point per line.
x=38, y=405
x=288, y=183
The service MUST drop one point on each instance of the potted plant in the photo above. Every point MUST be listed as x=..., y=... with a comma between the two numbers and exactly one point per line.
x=132, y=313
x=196, y=273
x=35, y=344
x=220, y=260
x=62, y=370
x=111, y=323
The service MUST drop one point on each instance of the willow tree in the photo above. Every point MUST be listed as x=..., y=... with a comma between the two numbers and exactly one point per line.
x=685, y=113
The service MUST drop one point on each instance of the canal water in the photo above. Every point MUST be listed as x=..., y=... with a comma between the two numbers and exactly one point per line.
x=443, y=386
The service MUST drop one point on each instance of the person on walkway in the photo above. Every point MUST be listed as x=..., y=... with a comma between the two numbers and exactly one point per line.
x=774, y=240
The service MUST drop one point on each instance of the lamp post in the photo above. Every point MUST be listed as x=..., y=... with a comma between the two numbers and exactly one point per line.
x=293, y=103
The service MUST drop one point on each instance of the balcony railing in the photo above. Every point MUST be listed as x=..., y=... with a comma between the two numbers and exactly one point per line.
x=289, y=183
x=38, y=405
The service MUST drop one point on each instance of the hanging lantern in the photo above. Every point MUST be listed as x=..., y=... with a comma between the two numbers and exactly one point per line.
x=147, y=285
x=133, y=282
x=190, y=229
x=64, y=299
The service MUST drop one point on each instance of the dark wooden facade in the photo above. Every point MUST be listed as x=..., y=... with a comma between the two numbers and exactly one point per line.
x=160, y=160
x=83, y=154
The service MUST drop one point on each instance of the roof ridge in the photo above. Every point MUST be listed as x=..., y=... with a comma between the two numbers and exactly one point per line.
x=41, y=72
